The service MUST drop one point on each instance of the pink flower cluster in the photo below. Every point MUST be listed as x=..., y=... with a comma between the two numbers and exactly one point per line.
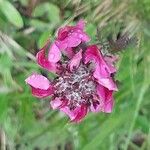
x=84, y=81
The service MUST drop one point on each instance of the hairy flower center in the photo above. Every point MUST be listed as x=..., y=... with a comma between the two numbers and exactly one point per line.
x=77, y=86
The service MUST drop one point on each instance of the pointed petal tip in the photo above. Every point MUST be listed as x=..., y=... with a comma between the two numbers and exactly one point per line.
x=75, y=61
x=54, y=54
x=38, y=81
x=40, y=85
x=44, y=62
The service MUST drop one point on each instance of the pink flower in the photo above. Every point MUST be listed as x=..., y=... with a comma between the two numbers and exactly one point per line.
x=77, y=90
x=84, y=80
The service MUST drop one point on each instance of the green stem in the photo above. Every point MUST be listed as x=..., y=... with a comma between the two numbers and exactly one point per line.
x=139, y=101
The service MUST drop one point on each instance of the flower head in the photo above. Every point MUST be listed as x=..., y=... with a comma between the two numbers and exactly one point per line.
x=84, y=82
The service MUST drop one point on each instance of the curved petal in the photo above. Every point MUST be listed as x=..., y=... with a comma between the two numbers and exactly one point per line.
x=54, y=54
x=101, y=71
x=69, y=52
x=63, y=33
x=40, y=85
x=77, y=114
x=38, y=81
x=43, y=61
x=93, y=54
x=85, y=37
x=71, y=36
x=80, y=35
x=111, y=59
x=81, y=24
x=81, y=113
x=104, y=79
x=75, y=61
x=62, y=45
x=68, y=42
x=104, y=93
x=108, y=83
x=109, y=106
x=96, y=106
x=58, y=103
x=73, y=41
x=55, y=103
x=106, y=96
x=39, y=93
x=68, y=112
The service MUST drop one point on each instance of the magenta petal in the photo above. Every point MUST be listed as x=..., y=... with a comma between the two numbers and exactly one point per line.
x=80, y=35
x=68, y=112
x=62, y=45
x=54, y=54
x=93, y=54
x=85, y=37
x=69, y=52
x=106, y=82
x=81, y=24
x=104, y=78
x=71, y=36
x=43, y=61
x=96, y=107
x=39, y=93
x=105, y=95
x=77, y=114
x=75, y=61
x=101, y=71
x=93, y=109
x=73, y=41
x=81, y=113
x=40, y=85
x=63, y=33
x=38, y=81
x=111, y=69
x=111, y=59
x=108, y=64
x=109, y=106
x=58, y=103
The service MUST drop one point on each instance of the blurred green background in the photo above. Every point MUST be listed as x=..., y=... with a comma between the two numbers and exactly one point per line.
x=27, y=123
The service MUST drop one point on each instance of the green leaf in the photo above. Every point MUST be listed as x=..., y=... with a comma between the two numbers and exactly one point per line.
x=11, y=13
x=54, y=13
x=43, y=38
x=91, y=30
x=49, y=11
x=39, y=24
